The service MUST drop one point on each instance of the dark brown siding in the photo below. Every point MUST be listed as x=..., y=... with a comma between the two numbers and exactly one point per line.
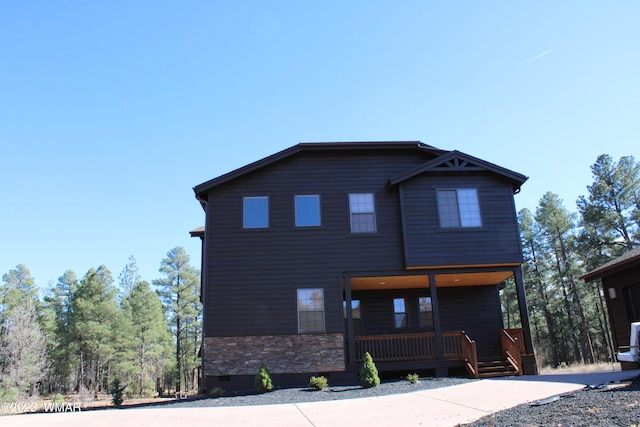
x=476, y=311
x=253, y=275
x=376, y=309
x=625, y=308
x=427, y=244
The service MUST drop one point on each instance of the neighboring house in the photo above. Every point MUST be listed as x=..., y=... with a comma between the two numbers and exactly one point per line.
x=323, y=251
x=620, y=280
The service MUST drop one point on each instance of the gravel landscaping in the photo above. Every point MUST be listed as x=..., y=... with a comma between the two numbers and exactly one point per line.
x=300, y=395
x=611, y=405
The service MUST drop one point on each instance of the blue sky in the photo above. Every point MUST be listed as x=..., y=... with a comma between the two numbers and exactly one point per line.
x=110, y=112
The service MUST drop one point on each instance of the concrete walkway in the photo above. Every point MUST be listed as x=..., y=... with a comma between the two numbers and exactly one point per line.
x=445, y=407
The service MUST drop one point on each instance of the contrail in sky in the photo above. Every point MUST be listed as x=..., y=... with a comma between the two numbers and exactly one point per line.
x=537, y=56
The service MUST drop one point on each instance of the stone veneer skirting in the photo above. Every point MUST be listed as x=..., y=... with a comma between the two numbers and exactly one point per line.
x=282, y=354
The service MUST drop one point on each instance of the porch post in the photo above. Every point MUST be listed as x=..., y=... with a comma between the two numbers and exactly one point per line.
x=436, y=316
x=524, y=312
x=351, y=341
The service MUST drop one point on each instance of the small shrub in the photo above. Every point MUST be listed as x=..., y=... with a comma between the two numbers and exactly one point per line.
x=216, y=392
x=263, y=381
x=368, y=375
x=58, y=399
x=318, y=382
x=413, y=378
x=116, y=392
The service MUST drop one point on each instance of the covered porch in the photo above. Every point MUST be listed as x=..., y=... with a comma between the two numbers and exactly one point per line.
x=438, y=319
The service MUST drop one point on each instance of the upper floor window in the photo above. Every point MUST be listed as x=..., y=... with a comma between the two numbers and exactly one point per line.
x=310, y=310
x=400, y=313
x=362, y=210
x=459, y=208
x=255, y=212
x=307, y=210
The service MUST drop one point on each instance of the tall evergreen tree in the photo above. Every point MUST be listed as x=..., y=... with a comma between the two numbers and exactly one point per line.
x=534, y=269
x=180, y=290
x=611, y=212
x=149, y=341
x=95, y=322
x=129, y=276
x=62, y=348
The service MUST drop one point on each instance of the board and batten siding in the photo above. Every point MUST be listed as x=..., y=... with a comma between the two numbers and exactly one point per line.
x=427, y=244
x=253, y=274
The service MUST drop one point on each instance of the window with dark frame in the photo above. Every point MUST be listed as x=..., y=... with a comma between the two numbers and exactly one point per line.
x=362, y=212
x=400, y=313
x=255, y=212
x=310, y=310
x=425, y=313
x=459, y=208
x=307, y=210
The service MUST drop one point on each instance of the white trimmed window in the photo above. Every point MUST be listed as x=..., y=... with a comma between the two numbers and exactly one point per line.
x=362, y=210
x=310, y=310
x=459, y=208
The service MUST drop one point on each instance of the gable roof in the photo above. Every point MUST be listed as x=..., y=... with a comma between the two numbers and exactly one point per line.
x=312, y=146
x=628, y=260
x=461, y=162
x=445, y=160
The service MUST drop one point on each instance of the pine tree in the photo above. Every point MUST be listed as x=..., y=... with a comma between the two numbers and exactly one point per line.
x=94, y=324
x=149, y=341
x=62, y=349
x=180, y=293
x=611, y=212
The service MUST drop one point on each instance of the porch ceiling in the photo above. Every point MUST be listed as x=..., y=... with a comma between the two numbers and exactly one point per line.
x=422, y=281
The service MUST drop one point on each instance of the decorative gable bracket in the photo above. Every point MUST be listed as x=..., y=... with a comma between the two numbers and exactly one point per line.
x=456, y=161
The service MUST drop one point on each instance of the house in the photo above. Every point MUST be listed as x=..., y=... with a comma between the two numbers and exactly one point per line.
x=620, y=279
x=323, y=251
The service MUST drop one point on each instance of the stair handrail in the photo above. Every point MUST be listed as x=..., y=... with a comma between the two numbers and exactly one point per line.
x=470, y=355
x=511, y=350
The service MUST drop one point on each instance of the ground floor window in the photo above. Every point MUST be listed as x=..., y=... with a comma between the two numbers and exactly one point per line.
x=310, y=310
x=425, y=312
x=399, y=313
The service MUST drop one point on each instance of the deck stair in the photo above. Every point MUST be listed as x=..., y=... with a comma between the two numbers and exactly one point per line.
x=495, y=367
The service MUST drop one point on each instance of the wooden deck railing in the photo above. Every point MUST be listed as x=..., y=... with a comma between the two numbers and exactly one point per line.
x=470, y=356
x=511, y=350
x=518, y=335
x=402, y=347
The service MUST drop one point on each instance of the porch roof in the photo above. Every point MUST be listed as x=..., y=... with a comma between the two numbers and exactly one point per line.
x=421, y=280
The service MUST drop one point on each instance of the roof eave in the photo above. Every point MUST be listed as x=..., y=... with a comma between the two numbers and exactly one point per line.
x=310, y=146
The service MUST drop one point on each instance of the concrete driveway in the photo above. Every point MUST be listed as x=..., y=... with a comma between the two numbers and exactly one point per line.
x=443, y=407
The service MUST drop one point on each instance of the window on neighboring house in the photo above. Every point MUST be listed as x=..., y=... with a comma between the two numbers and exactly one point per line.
x=310, y=310
x=399, y=313
x=363, y=213
x=255, y=212
x=307, y=210
x=459, y=208
x=425, y=312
